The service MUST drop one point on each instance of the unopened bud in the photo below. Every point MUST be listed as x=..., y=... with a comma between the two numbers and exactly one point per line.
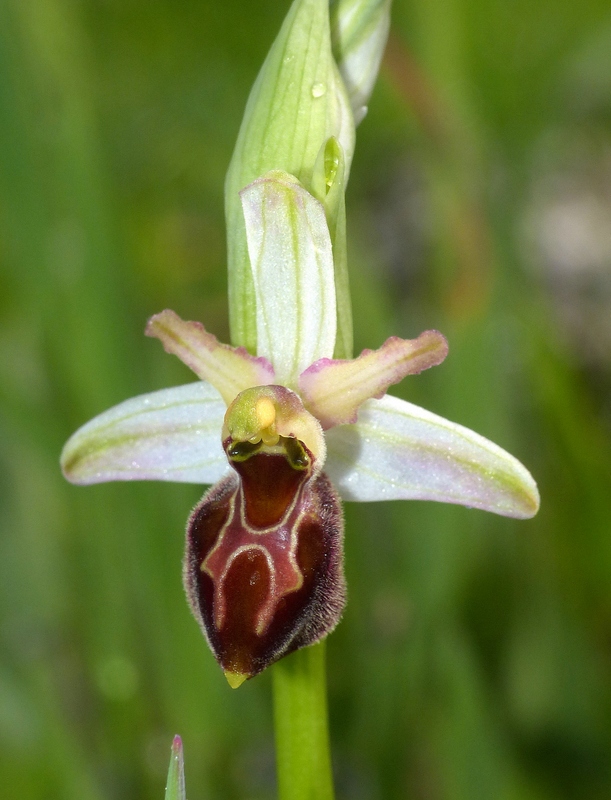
x=359, y=30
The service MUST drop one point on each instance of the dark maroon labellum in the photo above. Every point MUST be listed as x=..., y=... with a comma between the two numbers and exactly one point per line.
x=263, y=567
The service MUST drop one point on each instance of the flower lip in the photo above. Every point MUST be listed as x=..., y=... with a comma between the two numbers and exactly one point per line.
x=260, y=591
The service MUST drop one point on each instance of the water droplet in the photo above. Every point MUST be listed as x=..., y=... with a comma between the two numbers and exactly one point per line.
x=318, y=89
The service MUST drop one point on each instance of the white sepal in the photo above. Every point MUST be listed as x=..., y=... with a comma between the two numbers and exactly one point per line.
x=170, y=435
x=398, y=451
x=292, y=267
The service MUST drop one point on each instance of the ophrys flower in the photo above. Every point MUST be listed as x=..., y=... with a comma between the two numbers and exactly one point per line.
x=281, y=435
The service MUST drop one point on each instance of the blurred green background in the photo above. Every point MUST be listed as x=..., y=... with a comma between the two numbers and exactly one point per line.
x=474, y=657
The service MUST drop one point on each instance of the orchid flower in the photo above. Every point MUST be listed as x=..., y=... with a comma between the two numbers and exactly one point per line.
x=283, y=435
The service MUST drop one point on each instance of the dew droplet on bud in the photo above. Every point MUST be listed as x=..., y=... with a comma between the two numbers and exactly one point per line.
x=318, y=89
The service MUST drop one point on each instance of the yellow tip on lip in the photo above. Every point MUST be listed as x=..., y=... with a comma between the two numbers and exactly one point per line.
x=235, y=679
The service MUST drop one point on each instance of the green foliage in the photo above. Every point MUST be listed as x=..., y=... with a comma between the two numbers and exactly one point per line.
x=472, y=661
x=175, y=785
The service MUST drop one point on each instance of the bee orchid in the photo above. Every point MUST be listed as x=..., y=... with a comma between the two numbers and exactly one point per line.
x=284, y=436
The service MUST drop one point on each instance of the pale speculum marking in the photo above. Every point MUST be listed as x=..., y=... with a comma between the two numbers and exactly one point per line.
x=277, y=543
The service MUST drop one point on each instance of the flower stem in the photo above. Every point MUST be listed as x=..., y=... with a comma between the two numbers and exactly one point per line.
x=302, y=737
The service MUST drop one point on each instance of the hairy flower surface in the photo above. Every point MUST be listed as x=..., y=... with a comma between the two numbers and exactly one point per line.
x=284, y=435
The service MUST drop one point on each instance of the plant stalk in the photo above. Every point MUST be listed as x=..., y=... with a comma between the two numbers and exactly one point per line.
x=303, y=759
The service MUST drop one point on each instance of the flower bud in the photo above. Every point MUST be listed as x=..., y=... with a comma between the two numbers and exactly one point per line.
x=297, y=103
x=359, y=31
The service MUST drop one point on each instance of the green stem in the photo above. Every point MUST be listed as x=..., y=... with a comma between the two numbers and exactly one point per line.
x=302, y=738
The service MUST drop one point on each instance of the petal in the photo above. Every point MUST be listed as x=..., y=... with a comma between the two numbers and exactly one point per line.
x=398, y=451
x=171, y=435
x=229, y=369
x=292, y=267
x=334, y=390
